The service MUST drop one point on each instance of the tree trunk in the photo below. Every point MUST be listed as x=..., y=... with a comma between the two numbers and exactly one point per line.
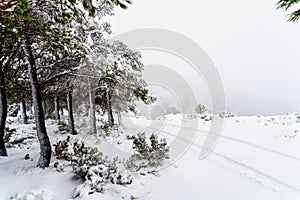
x=3, y=113
x=43, y=106
x=56, y=108
x=120, y=119
x=109, y=109
x=70, y=114
x=61, y=110
x=23, y=112
x=32, y=109
x=45, y=146
x=92, y=111
x=45, y=109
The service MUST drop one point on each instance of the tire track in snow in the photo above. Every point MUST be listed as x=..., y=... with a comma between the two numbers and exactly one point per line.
x=236, y=162
x=243, y=142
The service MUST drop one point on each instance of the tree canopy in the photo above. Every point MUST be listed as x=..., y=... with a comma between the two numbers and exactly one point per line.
x=290, y=7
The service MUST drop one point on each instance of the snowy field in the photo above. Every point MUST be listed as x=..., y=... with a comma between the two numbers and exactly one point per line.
x=256, y=158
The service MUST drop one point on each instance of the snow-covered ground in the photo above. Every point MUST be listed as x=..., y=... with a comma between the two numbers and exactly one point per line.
x=255, y=158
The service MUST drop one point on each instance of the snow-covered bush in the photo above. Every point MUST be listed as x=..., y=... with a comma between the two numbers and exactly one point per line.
x=106, y=129
x=13, y=139
x=91, y=165
x=62, y=126
x=27, y=157
x=226, y=115
x=159, y=151
x=13, y=110
x=85, y=157
x=203, y=113
x=61, y=149
x=59, y=166
x=81, y=157
x=145, y=155
x=96, y=169
x=8, y=133
x=206, y=117
x=201, y=109
x=100, y=175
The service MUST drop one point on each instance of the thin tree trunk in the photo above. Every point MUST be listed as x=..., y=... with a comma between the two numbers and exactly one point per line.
x=23, y=112
x=120, y=119
x=32, y=109
x=92, y=111
x=109, y=109
x=61, y=110
x=56, y=108
x=45, y=146
x=43, y=106
x=45, y=109
x=3, y=113
x=70, y=114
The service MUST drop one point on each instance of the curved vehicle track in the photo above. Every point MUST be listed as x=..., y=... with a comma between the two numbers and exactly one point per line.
x=242, y=142
x=238, y=163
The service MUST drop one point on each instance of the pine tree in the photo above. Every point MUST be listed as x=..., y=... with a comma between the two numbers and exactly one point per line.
x=121, y=84
x=9, y=46
x=288, y=5
x=41, y=30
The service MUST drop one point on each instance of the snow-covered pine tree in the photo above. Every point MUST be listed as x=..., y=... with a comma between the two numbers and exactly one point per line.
x=42, y=30
x=121, y=81
x=294, y=15
x=9, y=46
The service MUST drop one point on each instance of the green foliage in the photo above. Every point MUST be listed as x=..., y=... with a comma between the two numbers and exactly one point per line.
x=226, y=114
x=122, y=3
x=140, y=144
x=287, y=5
x=12, y=141
x=120, y=79
x=107, y=130
x=147, y=156
x=13, y=12
x=90, y=164
x=8, y=133
x=102, y=174
x=23, y=10
x=201, y=109
x=45, y=34
x=61, y=149
x=85, y=157
x=59, y=166
x=27, y=157
x=143, y=94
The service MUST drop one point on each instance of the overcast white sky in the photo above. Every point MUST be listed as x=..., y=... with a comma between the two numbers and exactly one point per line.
x=255, y=50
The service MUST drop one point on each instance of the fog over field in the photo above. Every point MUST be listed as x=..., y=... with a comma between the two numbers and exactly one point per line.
x=253, y=47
